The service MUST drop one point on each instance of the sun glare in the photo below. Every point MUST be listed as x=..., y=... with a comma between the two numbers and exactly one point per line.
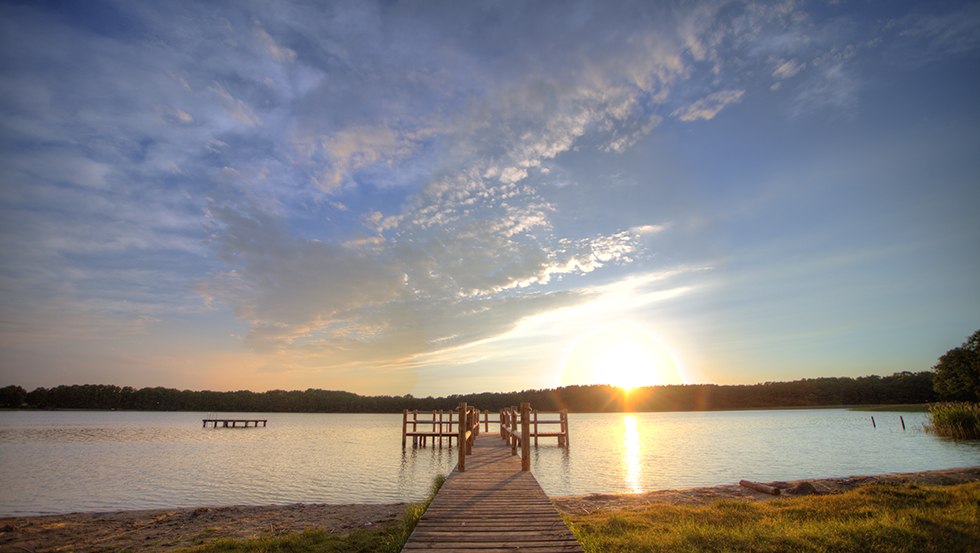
x=624, y=355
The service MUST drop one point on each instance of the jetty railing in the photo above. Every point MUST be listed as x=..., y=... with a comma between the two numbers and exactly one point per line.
x=468, y=431
x=423, y=426
x=519, y=425
x=536, y=421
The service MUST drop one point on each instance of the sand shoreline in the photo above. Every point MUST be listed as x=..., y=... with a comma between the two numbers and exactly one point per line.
x=170, y=529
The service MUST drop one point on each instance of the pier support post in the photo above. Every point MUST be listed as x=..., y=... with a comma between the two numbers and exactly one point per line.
x=525, y=437
x=404, y=426
x=535, y=428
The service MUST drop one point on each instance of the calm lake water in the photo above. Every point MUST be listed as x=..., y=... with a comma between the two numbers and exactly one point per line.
x=66, y=461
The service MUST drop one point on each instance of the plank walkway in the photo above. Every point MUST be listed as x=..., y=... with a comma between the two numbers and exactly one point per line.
x=492, y=507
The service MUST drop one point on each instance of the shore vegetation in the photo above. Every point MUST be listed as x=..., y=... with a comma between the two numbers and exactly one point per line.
x=880, y=517
x=960, y=420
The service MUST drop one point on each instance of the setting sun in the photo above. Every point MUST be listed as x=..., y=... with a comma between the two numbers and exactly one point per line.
x=625, y=355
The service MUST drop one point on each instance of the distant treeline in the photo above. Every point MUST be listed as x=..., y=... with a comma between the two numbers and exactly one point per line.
x=904, y=387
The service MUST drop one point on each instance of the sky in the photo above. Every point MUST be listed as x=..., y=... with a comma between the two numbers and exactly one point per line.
x=454, y=197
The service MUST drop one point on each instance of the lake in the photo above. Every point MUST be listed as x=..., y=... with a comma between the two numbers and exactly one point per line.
x=67, y=461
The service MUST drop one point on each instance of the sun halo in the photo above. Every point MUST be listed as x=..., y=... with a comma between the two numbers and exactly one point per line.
x=624, y=355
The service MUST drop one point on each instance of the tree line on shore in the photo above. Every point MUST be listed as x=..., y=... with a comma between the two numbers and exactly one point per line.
x=903, y=387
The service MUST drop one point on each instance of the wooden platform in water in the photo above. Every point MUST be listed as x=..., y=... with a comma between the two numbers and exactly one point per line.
x=491, y=507
x=233, y=423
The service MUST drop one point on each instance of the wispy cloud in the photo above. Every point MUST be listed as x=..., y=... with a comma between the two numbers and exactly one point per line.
x=708, y=107
x=956, y=31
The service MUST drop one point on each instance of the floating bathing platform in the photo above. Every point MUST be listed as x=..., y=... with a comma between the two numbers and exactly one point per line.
x=234, y=423
x=491, y=501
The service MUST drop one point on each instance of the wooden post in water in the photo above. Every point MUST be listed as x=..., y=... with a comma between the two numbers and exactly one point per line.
x=525, y=437
x=404, y=426
x=535, y=428
x=461, y=439
x=563, y=439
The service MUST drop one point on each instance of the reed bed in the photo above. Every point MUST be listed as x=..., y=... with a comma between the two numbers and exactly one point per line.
x=960, y=420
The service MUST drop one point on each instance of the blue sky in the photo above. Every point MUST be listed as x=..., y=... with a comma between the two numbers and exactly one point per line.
x=452, y=197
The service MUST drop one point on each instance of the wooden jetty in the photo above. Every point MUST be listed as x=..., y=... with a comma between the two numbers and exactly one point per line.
x=491, y=502
x=425, y=427
x=233, y=423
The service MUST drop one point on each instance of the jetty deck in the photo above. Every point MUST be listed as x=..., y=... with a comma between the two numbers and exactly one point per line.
x=492, y=506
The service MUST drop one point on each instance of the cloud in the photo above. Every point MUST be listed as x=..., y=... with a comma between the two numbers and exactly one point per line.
x=238, y=109
x=832, y=85
x=278, y=52
x=418, y=137
x=183, y=116
x=788, y=69
x=643, y=230
x=361, y=181
x=955, y=32
x=708, y=107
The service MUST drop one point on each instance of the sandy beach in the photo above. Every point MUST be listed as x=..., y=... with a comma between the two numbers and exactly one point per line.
x=172, y=529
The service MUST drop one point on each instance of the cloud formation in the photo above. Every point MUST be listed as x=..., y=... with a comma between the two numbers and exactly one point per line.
x=708, y=107
x=368, y=183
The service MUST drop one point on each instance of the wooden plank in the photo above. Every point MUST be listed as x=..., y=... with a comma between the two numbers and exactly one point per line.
x=492, y=506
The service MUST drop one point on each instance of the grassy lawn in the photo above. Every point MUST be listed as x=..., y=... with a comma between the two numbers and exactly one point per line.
x=887, y=518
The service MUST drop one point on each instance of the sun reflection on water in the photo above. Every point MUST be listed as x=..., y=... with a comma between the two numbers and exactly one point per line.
x=631, y=454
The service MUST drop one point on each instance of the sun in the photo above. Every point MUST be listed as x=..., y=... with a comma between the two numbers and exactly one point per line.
x=625, y=355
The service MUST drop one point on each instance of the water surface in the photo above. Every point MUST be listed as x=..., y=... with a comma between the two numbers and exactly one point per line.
x=66, y=461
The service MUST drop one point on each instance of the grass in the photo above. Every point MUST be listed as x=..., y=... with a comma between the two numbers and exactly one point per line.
x=388, y=538
x=956, y=419
x=885, y=518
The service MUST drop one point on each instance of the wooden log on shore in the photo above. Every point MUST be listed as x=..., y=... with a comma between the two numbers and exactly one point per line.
x=759, y=487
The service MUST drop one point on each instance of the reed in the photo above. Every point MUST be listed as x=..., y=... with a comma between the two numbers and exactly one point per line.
x=959, y=420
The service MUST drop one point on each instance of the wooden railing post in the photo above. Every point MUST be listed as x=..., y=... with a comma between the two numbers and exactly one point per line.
x=404, y=426
x=469, y=435
x=461, y=439
x=525, y=437
x=513, y=432
x=563, y=416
